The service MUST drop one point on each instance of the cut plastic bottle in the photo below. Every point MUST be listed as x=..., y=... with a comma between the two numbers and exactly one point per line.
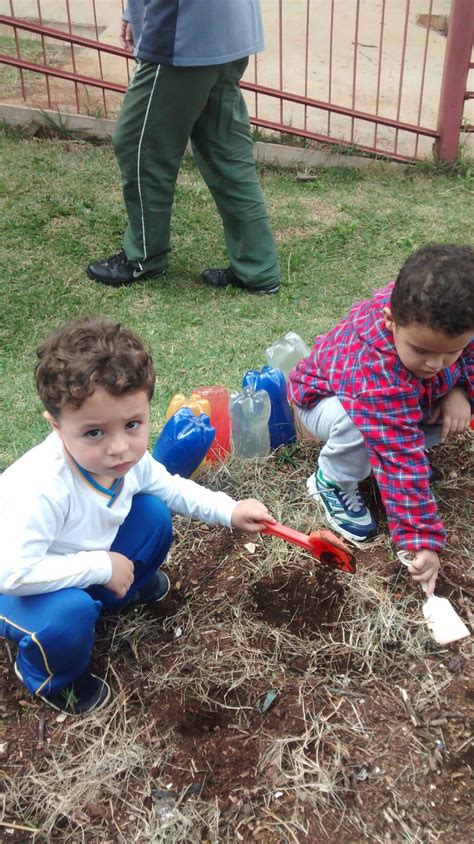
x=286, y=352
x=249, y=415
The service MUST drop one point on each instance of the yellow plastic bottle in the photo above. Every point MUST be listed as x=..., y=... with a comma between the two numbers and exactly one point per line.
x=195, y=402
x=197, y=405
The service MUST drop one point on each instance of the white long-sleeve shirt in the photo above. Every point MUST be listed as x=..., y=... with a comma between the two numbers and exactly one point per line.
x=56, y=528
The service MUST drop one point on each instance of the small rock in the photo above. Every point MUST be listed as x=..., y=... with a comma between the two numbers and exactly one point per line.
x=456, y=663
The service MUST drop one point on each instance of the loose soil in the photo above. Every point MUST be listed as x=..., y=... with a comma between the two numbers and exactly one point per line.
x=267, y=698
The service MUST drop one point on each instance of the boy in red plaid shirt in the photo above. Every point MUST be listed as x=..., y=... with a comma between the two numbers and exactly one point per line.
x=392, y=379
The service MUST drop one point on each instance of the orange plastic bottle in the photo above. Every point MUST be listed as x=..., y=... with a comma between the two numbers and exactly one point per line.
x=218, y=399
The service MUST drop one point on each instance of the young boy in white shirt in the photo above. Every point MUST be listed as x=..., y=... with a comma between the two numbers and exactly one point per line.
x=85, y=516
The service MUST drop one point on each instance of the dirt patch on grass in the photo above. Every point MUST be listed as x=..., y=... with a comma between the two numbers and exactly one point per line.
x=268, y=698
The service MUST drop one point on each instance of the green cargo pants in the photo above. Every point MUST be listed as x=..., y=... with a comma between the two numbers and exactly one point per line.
x=163, y=108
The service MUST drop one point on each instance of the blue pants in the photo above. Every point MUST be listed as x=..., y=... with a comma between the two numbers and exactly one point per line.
x=55, y=631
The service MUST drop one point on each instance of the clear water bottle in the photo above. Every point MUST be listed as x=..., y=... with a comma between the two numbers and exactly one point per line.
x=281, y=425
x=286, y=352
x=249, y=415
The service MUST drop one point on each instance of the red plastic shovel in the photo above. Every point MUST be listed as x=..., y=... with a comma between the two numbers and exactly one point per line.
x=322, y=544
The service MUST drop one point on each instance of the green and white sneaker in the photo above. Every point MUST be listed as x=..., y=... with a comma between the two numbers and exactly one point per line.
x=344, y=509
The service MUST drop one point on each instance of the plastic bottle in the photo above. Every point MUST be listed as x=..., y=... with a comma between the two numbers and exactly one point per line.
x=184, y=442
x=218, y=399
x=286, y=352
x=281, y=425
x=195, y=402
x=249, y=414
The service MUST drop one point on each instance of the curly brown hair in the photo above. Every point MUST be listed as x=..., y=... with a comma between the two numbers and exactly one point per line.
x=88, y=353
x=435, y=287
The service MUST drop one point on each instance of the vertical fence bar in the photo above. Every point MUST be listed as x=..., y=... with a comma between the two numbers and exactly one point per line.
x=453, y=86
x=280, y=53
x=331, y=44
x=17, y=45
x=122, y=4
x=354, y=68
x=306, y=63
x=99, y=54
x=423, y=72
x=379, y=70
x=402, y=71
x=43, y=50
x=76, y=86
x=255, y=79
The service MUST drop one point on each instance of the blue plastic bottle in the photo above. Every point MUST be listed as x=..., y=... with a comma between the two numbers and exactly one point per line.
x=184, y=442
x=281, y=425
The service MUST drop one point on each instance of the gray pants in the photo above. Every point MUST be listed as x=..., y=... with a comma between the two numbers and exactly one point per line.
x=343, y=457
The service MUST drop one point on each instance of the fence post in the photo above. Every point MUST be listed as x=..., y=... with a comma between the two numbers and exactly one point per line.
x=453, y=86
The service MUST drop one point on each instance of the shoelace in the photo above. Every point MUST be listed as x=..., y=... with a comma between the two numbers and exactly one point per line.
x=352, y=499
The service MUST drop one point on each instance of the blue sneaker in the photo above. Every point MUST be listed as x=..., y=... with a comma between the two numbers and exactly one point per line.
x=155, y=589
x=344, y=509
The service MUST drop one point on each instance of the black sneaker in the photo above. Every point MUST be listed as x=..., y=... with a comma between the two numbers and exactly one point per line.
x=86, y=694
x=117, y=271
x=224, y=278
x=155, y=589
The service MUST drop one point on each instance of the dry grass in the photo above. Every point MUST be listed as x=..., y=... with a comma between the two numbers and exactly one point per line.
x=217, y=655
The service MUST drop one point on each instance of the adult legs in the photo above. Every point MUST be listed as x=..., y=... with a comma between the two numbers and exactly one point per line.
x=159, y=111
x=222, y=147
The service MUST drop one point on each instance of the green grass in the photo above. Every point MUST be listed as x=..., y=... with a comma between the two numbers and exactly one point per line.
x=338, y=239
x=32, y=50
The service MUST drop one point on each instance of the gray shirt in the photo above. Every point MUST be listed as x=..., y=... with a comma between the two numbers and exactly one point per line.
x=195, y=32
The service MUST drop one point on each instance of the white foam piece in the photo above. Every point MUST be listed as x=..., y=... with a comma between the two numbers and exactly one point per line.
x=444, y=624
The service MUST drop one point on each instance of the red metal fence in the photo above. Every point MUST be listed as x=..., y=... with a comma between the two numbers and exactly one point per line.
x=379, y=76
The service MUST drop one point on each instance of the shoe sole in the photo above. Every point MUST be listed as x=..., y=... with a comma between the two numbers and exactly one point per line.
x=316, y=497
x=113, y=283
x=58, y=708
x=262, y=290
x=168, y=587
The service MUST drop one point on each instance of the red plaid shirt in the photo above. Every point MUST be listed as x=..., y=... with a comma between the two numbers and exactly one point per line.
x=357, y=362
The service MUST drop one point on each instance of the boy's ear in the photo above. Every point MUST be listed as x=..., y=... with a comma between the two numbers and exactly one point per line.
x=52, y=421
x=388, y=319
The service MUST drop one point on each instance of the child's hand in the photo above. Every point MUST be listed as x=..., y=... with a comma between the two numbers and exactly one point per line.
x=122, y=574
x=424, y=569
x=455, y=411
x=251, y=515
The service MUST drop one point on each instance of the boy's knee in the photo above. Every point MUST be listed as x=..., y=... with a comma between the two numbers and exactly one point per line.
x=77, y=618
x=147, y=530
x=151, y=510
x=160, y=516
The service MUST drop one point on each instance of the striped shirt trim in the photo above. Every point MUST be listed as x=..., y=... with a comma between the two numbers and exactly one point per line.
x=112, y=492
